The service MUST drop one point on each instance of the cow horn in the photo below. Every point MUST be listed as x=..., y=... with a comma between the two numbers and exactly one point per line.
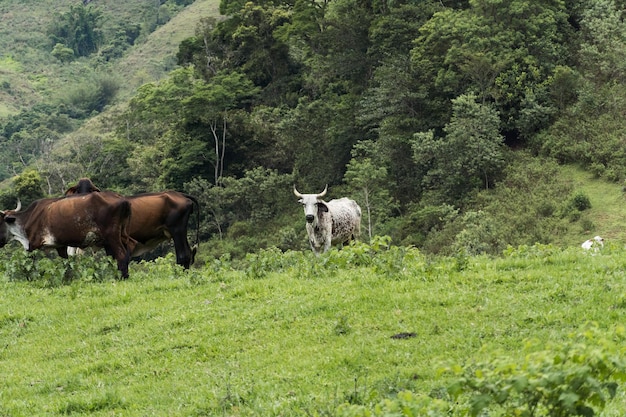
x=323, y=193
x=19, y=205
x=296, y=192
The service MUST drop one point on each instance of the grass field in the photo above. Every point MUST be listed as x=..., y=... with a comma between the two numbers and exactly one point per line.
x=290, y=335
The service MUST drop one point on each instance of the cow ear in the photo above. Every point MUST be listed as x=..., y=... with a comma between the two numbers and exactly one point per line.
x=322, y=207
x=9, y=219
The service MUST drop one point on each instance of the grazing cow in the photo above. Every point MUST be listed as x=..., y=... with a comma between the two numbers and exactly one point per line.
x=596, y=243
x=337, y=221
x=92, y=220
x=156, y=218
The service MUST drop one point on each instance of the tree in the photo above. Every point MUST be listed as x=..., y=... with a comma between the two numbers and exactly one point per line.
x=469, y=156
x=501, y=51
x=28, y=187
x=369, y=181
x=210, y=104
x=182, y=125
x=62, y=53
x=78, y=29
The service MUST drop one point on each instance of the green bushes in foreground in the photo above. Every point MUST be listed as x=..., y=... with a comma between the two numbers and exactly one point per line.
x=576, y=378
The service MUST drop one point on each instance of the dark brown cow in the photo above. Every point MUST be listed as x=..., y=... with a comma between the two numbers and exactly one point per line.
x=91, y=220
x=84, y=186
x=156, y=218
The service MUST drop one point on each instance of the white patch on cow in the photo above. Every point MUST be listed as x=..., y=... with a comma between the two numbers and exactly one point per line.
x=48, y=238
x=18, y=234
x=72, y=251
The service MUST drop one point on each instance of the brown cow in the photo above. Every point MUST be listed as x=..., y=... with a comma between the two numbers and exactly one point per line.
x=156, y=218
x=91, y=220
x=83, y=186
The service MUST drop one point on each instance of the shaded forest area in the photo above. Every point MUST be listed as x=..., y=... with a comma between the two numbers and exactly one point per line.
x=445, y=120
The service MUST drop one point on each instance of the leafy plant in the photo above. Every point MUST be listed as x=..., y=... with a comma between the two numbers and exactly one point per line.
x=576, y=378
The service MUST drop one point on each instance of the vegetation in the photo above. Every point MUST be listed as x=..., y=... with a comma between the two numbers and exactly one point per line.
x=372, y=330
x=445, y=120
x=480, y=136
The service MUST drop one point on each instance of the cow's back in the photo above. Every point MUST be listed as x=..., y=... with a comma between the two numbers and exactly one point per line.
x=346, y=218
x=155, y=215
x=84, y=220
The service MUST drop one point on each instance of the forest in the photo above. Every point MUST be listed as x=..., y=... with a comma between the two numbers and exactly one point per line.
x=448, y=121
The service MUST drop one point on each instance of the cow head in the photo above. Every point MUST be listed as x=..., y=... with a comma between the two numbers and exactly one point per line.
x=84, y=186
x=313, y=205
x=7, y=218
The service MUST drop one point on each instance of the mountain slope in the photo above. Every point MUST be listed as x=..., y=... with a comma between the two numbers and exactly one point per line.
x=153, y=59
x=29, y=74
x=607, y=215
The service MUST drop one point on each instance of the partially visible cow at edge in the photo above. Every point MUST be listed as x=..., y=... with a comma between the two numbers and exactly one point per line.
x=329, y=223
x=156, y=218
x=94, y=220
x=596, y=244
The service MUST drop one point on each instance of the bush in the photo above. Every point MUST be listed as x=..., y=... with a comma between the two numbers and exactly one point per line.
x=49, y=270
x=580, y=201
x=574, y=379
x=578, y=378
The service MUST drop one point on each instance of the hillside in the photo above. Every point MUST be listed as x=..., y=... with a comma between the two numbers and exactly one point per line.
x=607, y=215
x=449, y=127
x=29, y=74
x=155, y=57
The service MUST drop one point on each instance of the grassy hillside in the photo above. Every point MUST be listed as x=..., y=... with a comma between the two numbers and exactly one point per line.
x=30, y=74
x=607, y=215
x=151, y=60
x=292, y=335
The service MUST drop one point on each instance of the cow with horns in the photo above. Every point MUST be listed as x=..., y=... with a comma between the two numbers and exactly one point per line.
x=329, y=223
x=156, y=218
x=93, y=220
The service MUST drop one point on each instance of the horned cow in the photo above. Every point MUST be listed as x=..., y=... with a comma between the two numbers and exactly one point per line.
x=329, y=223
x=93, y=220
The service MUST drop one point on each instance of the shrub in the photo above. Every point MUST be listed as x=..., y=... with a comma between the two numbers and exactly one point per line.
x=580, y=201
x=49, y=270
x=577, y=378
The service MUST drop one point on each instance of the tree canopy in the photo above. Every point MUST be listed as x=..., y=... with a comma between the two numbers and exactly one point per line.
x=417, y=107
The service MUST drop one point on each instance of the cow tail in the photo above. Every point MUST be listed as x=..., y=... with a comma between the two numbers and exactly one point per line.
x=126, y=213
x=195, y=201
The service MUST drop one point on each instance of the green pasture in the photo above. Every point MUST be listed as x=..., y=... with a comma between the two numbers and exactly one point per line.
x=294, y=335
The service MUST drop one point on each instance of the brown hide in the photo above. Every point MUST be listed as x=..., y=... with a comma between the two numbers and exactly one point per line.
x=89, y=220
x=156, y=217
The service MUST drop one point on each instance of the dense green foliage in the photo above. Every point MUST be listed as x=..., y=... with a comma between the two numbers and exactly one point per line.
x=371, y=330
x=429, y=113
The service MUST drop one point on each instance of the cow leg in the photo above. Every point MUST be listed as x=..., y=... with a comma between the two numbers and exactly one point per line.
x=183, y=250
x=122, y=255
x=62, y=251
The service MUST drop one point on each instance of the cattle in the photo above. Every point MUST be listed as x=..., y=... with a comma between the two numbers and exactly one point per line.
x=329, y=223
x=156, y=218
x=92, y=220
x=596, y=243
x=83, y=186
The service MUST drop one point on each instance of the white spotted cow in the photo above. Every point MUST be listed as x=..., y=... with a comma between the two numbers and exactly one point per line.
x=329, y=223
